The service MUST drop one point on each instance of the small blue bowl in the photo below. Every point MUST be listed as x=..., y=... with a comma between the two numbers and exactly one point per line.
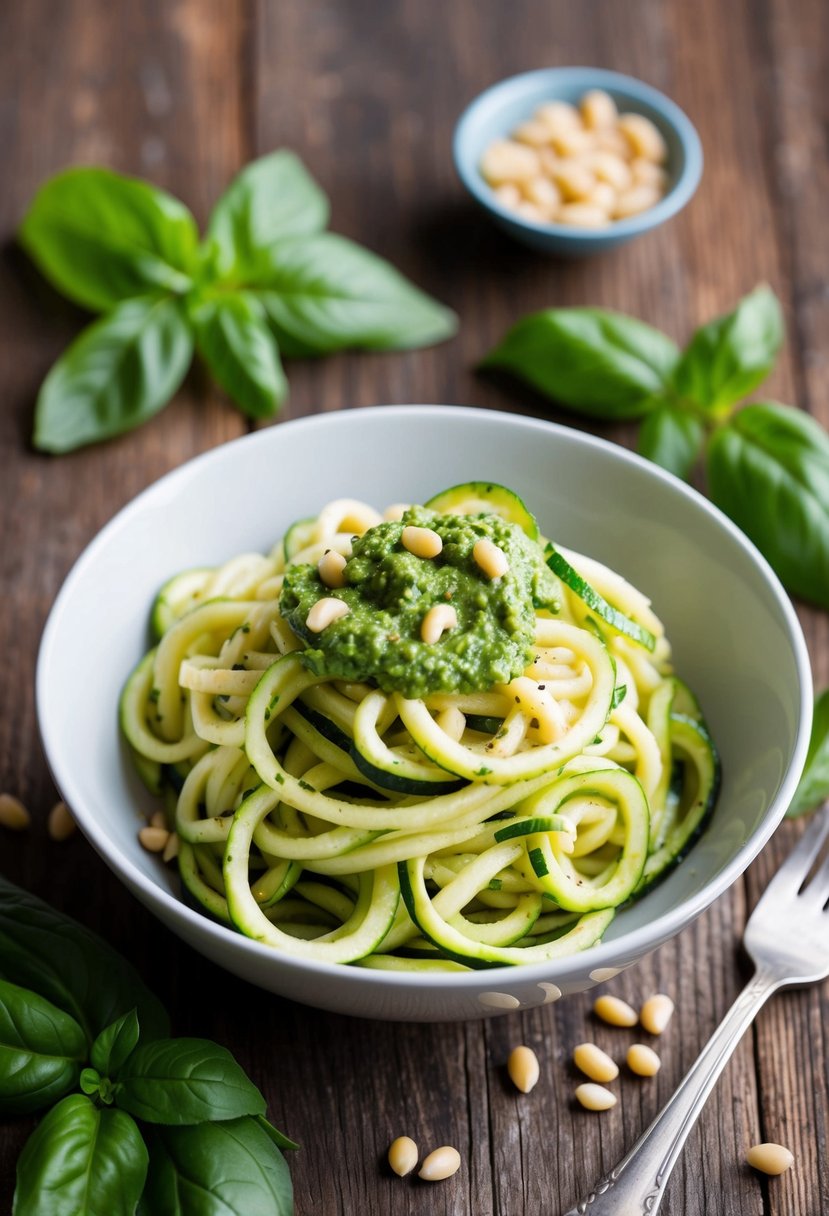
x=496, y=112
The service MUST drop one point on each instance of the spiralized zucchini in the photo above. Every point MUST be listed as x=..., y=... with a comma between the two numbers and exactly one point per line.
x=339, y=822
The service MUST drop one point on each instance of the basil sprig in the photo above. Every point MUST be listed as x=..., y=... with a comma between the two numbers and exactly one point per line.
x=267, y=278
x=767, y=464
x=159, y=1126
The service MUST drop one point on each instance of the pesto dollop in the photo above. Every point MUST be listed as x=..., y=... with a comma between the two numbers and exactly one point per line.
x=389, y=591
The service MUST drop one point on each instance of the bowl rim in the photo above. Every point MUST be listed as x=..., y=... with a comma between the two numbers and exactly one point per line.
x=638, y=91
x=633, y=944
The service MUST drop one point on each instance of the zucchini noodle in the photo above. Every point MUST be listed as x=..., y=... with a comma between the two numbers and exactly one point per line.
x=347, y=821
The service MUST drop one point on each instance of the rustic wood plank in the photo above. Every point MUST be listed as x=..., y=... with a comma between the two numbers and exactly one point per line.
x=792, y=1056
x=155, y=90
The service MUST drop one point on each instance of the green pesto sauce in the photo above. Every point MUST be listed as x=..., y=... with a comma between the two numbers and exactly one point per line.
x=389, y=591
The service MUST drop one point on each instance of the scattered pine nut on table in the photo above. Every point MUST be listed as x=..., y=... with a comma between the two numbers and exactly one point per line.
x=615, y=1011
x=441, y=1163
x=595, y=1063
x=13, y=814
x=523, y=1068
x=656, y=1013
x=770, y=1159
x=403, y=1154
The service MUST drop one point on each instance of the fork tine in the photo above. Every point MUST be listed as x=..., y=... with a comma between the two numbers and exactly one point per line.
x=796, y=866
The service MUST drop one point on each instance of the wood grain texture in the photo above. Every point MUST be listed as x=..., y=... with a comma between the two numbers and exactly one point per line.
x=185, y=91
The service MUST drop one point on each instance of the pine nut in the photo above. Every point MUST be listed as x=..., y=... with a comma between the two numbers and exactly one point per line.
x=611, y=169
x=614, y=1011
x=576, y=144
x=171, y=848
x=583, y=215
x=595, y=1097
x=324, y=613
x=489, y=558
x=574, y=180
x=595, y=1063
x=422, y=542
x=644, y=138
x=529, y=211
x=611, y=139
x=154, y=839
x=436, y=621
x=598, y=109
x=534, y=133
x=558, y=116
x=508, y=195
x=646, y=173
x=60, y=824
x=656, y=1013
x=635, y=200
x=643, y=1060
x=398, y=509
x=523, y=1069
x=770, y=1158
x=13, y=814
x=604, y=197
x=442, y=1163
x=508, y=161
x=543, y=193
x=403, y=1155
x=330, y=568
x=158, y=820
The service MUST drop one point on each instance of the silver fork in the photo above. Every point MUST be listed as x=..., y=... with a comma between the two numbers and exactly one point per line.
x=787, y=938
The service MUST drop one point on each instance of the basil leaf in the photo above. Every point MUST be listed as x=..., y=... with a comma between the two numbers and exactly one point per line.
x=593, y=361
x=41, y=1051
x=768, y=468
x=181, y=1081
x=53, y=955
x=216, y=1169
x=118, y=373
x=279, y=1138
x=672, y=438
x=102, y=238
x=90, y=1081
x=726, y=359
x=326, y=293
x=81, y=1161
x=271, y=198
x=233, y=338
x=813, y=788
x=115, y=1044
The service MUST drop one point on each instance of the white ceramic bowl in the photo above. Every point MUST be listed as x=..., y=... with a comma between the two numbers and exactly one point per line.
x=735, y=638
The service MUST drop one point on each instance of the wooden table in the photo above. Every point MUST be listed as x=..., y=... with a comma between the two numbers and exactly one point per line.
x=185, y=92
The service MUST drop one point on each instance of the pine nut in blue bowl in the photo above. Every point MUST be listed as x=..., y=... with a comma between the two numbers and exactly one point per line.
x=574, y=161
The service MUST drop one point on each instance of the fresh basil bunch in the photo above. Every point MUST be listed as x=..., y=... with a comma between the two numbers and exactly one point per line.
x=266, y=279
x=160, y=1126
x=767, y=464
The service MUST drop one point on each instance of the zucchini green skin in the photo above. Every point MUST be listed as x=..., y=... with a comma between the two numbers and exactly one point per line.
x=298, y=536
x=595, y=602
x=553, y=872
x=401, y=785
x=485, y=498
x=680, y=833
x=388, y=769
x=177, y=596
x=454, y=945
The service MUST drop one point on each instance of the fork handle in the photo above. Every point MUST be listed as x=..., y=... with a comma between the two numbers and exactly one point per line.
x=636, y=1186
